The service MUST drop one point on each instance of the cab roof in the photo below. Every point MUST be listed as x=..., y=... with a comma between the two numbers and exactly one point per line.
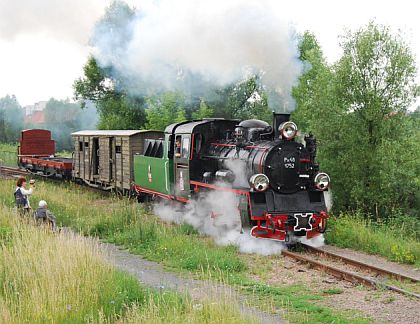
x=187, y=127
x=110, y=132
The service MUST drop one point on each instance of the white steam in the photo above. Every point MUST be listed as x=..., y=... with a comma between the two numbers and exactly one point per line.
x=64, y=19
x=328, y=198
x=317, y=241
x=216, y=214
x=172, y=44
x=238, y=167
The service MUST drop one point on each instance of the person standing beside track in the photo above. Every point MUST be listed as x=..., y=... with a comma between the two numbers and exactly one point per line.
x=22, y=196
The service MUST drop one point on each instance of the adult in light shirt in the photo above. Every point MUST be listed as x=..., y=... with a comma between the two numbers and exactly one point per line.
x=22, y=195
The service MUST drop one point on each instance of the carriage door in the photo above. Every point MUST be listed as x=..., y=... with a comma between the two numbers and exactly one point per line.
x=182, y=152
x=106, y=159
x=111, y=159
x=95, y=157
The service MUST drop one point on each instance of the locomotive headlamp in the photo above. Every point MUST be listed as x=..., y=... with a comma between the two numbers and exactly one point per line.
x=288, y=130
x=259, y=182
x=239, y=132
x=322, y=181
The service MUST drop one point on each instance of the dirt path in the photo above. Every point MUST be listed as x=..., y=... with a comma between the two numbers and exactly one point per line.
x=153, y=275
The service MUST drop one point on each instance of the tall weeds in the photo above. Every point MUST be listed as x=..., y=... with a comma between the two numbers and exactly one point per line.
x=64, y=278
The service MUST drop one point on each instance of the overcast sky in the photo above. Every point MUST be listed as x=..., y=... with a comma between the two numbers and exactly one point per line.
x=44, y=43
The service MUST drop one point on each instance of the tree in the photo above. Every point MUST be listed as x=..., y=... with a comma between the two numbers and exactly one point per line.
x=313, y=94
x=11, y=119
x=357, y=109
x=376, y=85
x=163, y=110
x=242, y=100
x=101, y=84
x=63, y=117
x=204, y=111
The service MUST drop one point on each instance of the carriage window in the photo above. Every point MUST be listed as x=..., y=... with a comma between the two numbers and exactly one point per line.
x=80, y=146
x=118, y=149
x=178, y=146
x=86, y=144
x=186, y=148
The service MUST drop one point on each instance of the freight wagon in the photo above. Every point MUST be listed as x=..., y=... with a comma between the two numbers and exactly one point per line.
x=104, y=158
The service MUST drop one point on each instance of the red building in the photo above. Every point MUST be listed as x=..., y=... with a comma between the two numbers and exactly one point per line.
x=37, y=118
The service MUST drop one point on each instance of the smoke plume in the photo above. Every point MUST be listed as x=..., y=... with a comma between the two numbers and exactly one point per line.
x=64, y=19
x=187, y=45
x=216, y=214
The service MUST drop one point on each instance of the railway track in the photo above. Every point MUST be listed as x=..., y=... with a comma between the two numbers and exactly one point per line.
x=10, y=171
x=352, y=277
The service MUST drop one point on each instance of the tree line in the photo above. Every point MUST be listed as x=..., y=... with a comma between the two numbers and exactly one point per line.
x=61, y=117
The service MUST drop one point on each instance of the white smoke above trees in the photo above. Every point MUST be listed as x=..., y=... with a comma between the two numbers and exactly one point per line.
x=64, y=19
x=186, y=44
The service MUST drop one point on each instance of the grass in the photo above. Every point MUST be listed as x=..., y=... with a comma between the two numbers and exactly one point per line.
x=8, y=154
x=178, y=247
x=333, y=291
x=64, y=279
x=396, y=239
x=126, y=223
x=55, y=278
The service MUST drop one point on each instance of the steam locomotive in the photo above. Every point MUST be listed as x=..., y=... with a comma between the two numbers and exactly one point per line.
x=276, y=179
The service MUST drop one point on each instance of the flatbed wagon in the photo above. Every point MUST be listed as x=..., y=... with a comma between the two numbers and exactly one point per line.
x=36, y=153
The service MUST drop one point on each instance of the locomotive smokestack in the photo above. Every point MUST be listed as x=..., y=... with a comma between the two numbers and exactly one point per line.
x=278, y=119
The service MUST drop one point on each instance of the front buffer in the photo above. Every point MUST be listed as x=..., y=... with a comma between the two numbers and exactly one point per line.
x=284, y=217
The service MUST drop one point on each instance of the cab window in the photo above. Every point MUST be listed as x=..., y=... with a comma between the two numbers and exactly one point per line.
x=178, y=146
x=186, y=148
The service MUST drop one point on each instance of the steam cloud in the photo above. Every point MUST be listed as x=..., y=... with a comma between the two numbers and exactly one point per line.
x=187, y=45
x=69, y=19
x=216, y=214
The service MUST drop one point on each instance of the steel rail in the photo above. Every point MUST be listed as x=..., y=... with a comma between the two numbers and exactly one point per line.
x=346, y=275
x=360, y=264
x=11, y=170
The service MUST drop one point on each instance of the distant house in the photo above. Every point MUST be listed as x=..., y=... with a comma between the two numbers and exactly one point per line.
x=36, y=118
x=34, y=114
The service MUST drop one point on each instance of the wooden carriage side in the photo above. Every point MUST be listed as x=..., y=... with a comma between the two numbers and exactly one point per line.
x=104, y=159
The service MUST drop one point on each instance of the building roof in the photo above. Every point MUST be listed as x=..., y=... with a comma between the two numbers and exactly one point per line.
x=109, y=132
